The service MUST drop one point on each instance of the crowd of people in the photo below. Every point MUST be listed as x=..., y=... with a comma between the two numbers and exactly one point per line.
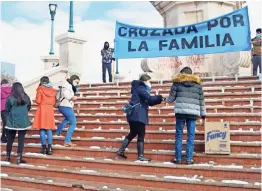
x=15, y=105
x=186, y=91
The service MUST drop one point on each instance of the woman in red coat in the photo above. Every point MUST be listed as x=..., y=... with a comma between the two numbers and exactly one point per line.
x=44, y=117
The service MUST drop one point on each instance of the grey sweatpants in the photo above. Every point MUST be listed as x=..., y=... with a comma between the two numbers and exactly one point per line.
x=256, y=60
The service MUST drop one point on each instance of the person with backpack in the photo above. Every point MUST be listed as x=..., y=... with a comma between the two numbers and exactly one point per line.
x=44, y=118
x=18, y=104
x=190, y=104
x=6, y=89
x=66, y=105
x=138, y=117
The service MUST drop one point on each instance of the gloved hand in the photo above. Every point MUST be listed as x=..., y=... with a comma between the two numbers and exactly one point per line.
x=114, y=59
x=203, y=117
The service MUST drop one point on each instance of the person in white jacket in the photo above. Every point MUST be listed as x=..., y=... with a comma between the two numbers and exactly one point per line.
x=69, y=89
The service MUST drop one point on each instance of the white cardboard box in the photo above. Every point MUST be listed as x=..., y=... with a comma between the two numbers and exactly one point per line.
x=217, y=138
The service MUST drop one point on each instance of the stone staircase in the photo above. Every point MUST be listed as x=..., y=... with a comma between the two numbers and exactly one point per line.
x=101, y=126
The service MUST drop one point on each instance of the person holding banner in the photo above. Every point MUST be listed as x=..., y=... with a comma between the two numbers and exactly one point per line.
x=188, y=94
x=107, y=58
x=257, y=47
x=138, y=118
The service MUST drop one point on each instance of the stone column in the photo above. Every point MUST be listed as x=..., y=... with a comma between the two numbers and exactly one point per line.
x=50, y=61
x=71, y=52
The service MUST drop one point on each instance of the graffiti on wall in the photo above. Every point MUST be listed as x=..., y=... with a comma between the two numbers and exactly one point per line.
x=194, y=62
x=164, y=63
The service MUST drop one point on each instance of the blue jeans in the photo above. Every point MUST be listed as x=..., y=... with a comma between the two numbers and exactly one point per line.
x=49, y=134
x=191, y=126
x=70, y=118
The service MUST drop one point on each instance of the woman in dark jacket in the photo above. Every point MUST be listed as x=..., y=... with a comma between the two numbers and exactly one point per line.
x=138, y=118
x=18, y=104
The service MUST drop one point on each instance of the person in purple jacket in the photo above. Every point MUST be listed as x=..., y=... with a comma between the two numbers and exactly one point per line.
x=5, y=92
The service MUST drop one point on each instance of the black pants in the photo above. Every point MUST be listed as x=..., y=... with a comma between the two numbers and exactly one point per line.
x=137, y=128
x=4, y=115
x=11, y=137
x=107, y=67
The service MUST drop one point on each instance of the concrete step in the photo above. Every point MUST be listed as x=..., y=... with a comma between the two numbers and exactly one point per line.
x=246, y=83
x=151, y=134
x=156, y=155
x=212, y=90
x=110, y=98
x=231, y=171
x=26, y=181
x=122, y=125
x=167, y=144
x=209, y=102
x=154, y=82
x=211, y=117
x=164, y=181
x=169, y=110
x=5, y=187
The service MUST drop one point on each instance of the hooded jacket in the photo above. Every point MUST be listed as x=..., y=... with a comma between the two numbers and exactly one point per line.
x=44, y=117
x=6, y=89
x=188, y=94
x=106, y=54
x=18, y=118
x=67, y=95
x=140, y=95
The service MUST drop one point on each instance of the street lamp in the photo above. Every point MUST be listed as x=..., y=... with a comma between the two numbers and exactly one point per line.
x=71, y=17
x=52, y=9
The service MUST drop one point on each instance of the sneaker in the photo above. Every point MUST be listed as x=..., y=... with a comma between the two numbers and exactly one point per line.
x=69, y=144
x=176, y=161
x=190, y=162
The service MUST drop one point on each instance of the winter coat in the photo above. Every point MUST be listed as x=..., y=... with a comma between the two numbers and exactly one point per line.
x=188, y=94
x=44, y=117
x=67, y=95
x=5, y=92
x=140, y=95
x=18, y=118
x=106, y=56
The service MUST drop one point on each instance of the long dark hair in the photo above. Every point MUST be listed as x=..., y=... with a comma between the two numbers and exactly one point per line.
x=4, y=81
x=70, y=81
x=44, y=80
x=72, y=78
x=19, y=94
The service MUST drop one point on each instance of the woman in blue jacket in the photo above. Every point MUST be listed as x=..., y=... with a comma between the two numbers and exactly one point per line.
x=138, y=119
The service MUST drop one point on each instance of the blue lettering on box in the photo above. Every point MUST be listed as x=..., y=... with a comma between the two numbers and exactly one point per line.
x=215, y=135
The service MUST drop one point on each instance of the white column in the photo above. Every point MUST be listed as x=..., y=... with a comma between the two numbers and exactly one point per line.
x=71, y=52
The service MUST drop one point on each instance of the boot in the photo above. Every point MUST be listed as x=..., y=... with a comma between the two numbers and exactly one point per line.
x=140, y=150
x=176, y=161
x=49, y=150
x=121, y=151
x=43, y=151
x=7, y=157
x=19, y=159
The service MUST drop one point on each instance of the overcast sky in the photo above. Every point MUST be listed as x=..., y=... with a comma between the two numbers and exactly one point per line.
x=25, y=32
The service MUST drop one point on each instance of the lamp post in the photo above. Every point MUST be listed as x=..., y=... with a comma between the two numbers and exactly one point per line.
x=117, y=72
x=52, y=9
x=116, y=59
x=71, y=18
